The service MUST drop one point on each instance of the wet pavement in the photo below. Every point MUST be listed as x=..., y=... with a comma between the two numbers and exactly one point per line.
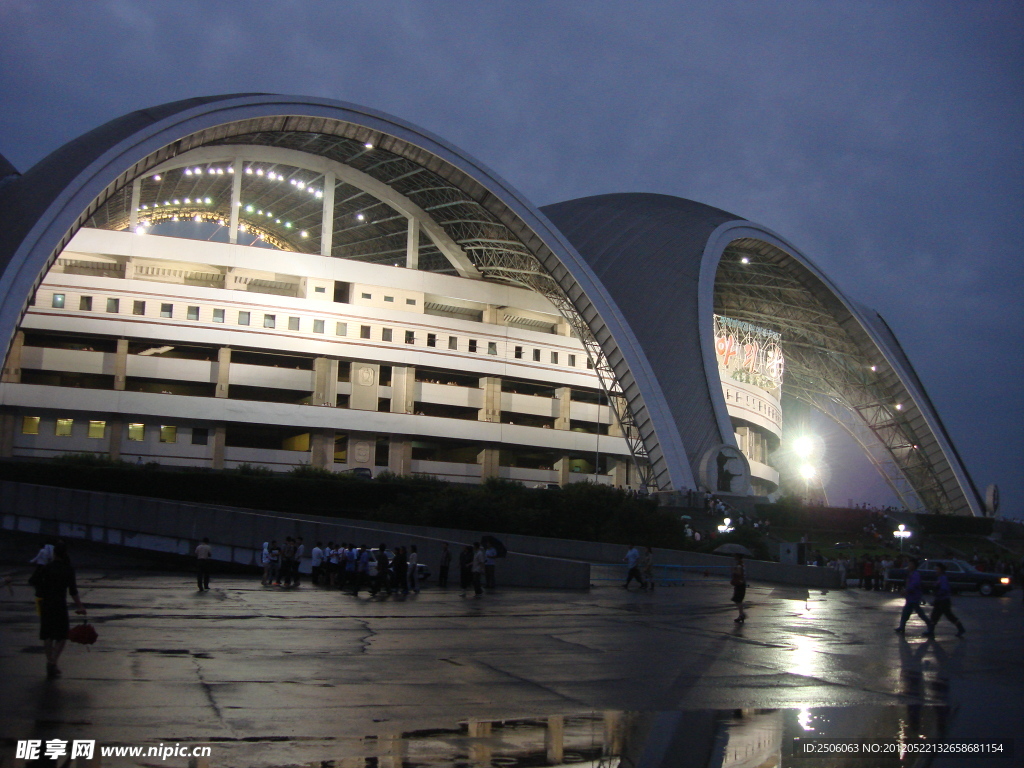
x=273, y=676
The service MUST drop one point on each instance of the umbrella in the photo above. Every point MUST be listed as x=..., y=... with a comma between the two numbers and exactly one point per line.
x=733, y=549
x=685, y=517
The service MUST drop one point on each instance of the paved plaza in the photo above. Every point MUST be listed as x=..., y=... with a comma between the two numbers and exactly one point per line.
x=273, y=676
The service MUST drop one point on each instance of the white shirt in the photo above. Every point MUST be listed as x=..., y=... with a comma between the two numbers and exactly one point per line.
x=318, y=556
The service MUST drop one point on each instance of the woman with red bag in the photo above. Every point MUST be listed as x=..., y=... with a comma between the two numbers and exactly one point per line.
x=54, y=582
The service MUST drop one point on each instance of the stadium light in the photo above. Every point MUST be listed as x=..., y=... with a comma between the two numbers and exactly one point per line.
x=901, y=533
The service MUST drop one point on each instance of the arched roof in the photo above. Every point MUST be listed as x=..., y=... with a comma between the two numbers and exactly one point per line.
x=671, y=264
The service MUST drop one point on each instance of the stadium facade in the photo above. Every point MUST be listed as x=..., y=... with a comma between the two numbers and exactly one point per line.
x=270, y=280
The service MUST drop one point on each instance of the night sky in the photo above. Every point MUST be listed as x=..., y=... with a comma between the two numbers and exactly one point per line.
x=885, y=140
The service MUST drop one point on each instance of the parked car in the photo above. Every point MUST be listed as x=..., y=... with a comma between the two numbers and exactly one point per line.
x=962, y=577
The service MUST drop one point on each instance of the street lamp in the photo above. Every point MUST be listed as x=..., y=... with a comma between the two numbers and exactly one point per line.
x=726, y=526
x=901, y=533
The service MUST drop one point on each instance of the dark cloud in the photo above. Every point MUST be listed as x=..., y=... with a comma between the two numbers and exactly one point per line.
x=882, y=139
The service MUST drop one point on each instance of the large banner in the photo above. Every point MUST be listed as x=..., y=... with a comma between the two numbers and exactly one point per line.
x=748, y=353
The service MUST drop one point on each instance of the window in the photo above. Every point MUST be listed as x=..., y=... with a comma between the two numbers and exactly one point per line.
x=200, y=435
x=364, y=331
x=166, y=310
x=385, y=334
x=139, y=308
x=319, y=289
x=168, y=434
x=63, y=427
x=472, y=345
x=136, y=431
x=536, y=355
x=492, y=347
x=113, y=306
x=590, y=365
x=453, y=342
x=410, y=337
x=431, y=339
x=192, y=313
x=572, y=361
x=243, y=318
x=85, y=303
x=519, y=353
x=366, y=296
x=97, y=429
x=218, y=315
x=318, y=326
x=293, y=323
x=411, y=302
x=341, y=329
x=270, y=321
x=30, y=425
x=389, y=298
x=554, y=358
x=58, y=301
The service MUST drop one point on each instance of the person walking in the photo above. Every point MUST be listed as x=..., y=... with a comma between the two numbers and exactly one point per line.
x=204, y=557
x=442, y=569
x=275, y=564
x=53, y=582
x=413, y=565
x=316, y=557
x=943, y=605
x=288, y=565
x=300, y=552
x=739, y=587
x=490, y=561
x=913, y=592
x=647, y=568
x=632, y=560
x=465, y=568
x=477, y=568
x=400, y=567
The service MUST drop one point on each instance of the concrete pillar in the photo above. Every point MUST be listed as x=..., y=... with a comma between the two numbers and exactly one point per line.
x=562, y=467
x=121, y=364
x=8, y=429
x=362, y=447
x=615, y=414
x=620, y=473
x=12, y=366
x=493, y=315
x=322, y=450
x=220, y=434
x=412, y=245
x=365, y=379
x=133, y=212
x=400, y=456
x=564, y=395
x=325, y=381
x=488, y=461
x=222, y=371
x=129, y=268
x=236, y=202
x=327, y=222
x=115, y=434
x=554, y=739
x=403, y=389
x=491, y=385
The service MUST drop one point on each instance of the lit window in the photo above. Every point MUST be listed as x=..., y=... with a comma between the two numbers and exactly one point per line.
x=364, y=331
x=293, y=323
x=136, y=431
x=270, y=321
x=431, y=339
x=554, y=358
x=192, y=313
x=572, y=361
x=218, y=315
x=472, y=345
x=492, y=347
x=318, y=326
x=341, y=329
x=411, y=302
x=63, y=427
x=85, y=303
x=243, y=318
x=166, y=310
x=389, y=298
x=453, y=342
x=385, y=334
x=139, y=308
x=536, y=355
x=366, y=296
x=168, y=434
x=113, y=306
x=519, y=353
x=30, y=425
x=97, y=429
x=58, y=301
x=200, y=436
x=410, y=337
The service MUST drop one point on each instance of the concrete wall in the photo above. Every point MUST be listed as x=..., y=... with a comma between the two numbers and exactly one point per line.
x=237, y=535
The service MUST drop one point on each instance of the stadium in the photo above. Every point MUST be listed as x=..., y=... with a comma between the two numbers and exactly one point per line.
x=278, y=281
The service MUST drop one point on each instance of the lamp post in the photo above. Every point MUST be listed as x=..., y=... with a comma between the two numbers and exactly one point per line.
x=726, y=526
x=901, y=533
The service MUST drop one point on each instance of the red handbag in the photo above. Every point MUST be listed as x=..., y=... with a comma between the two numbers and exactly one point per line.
x=83, y=633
